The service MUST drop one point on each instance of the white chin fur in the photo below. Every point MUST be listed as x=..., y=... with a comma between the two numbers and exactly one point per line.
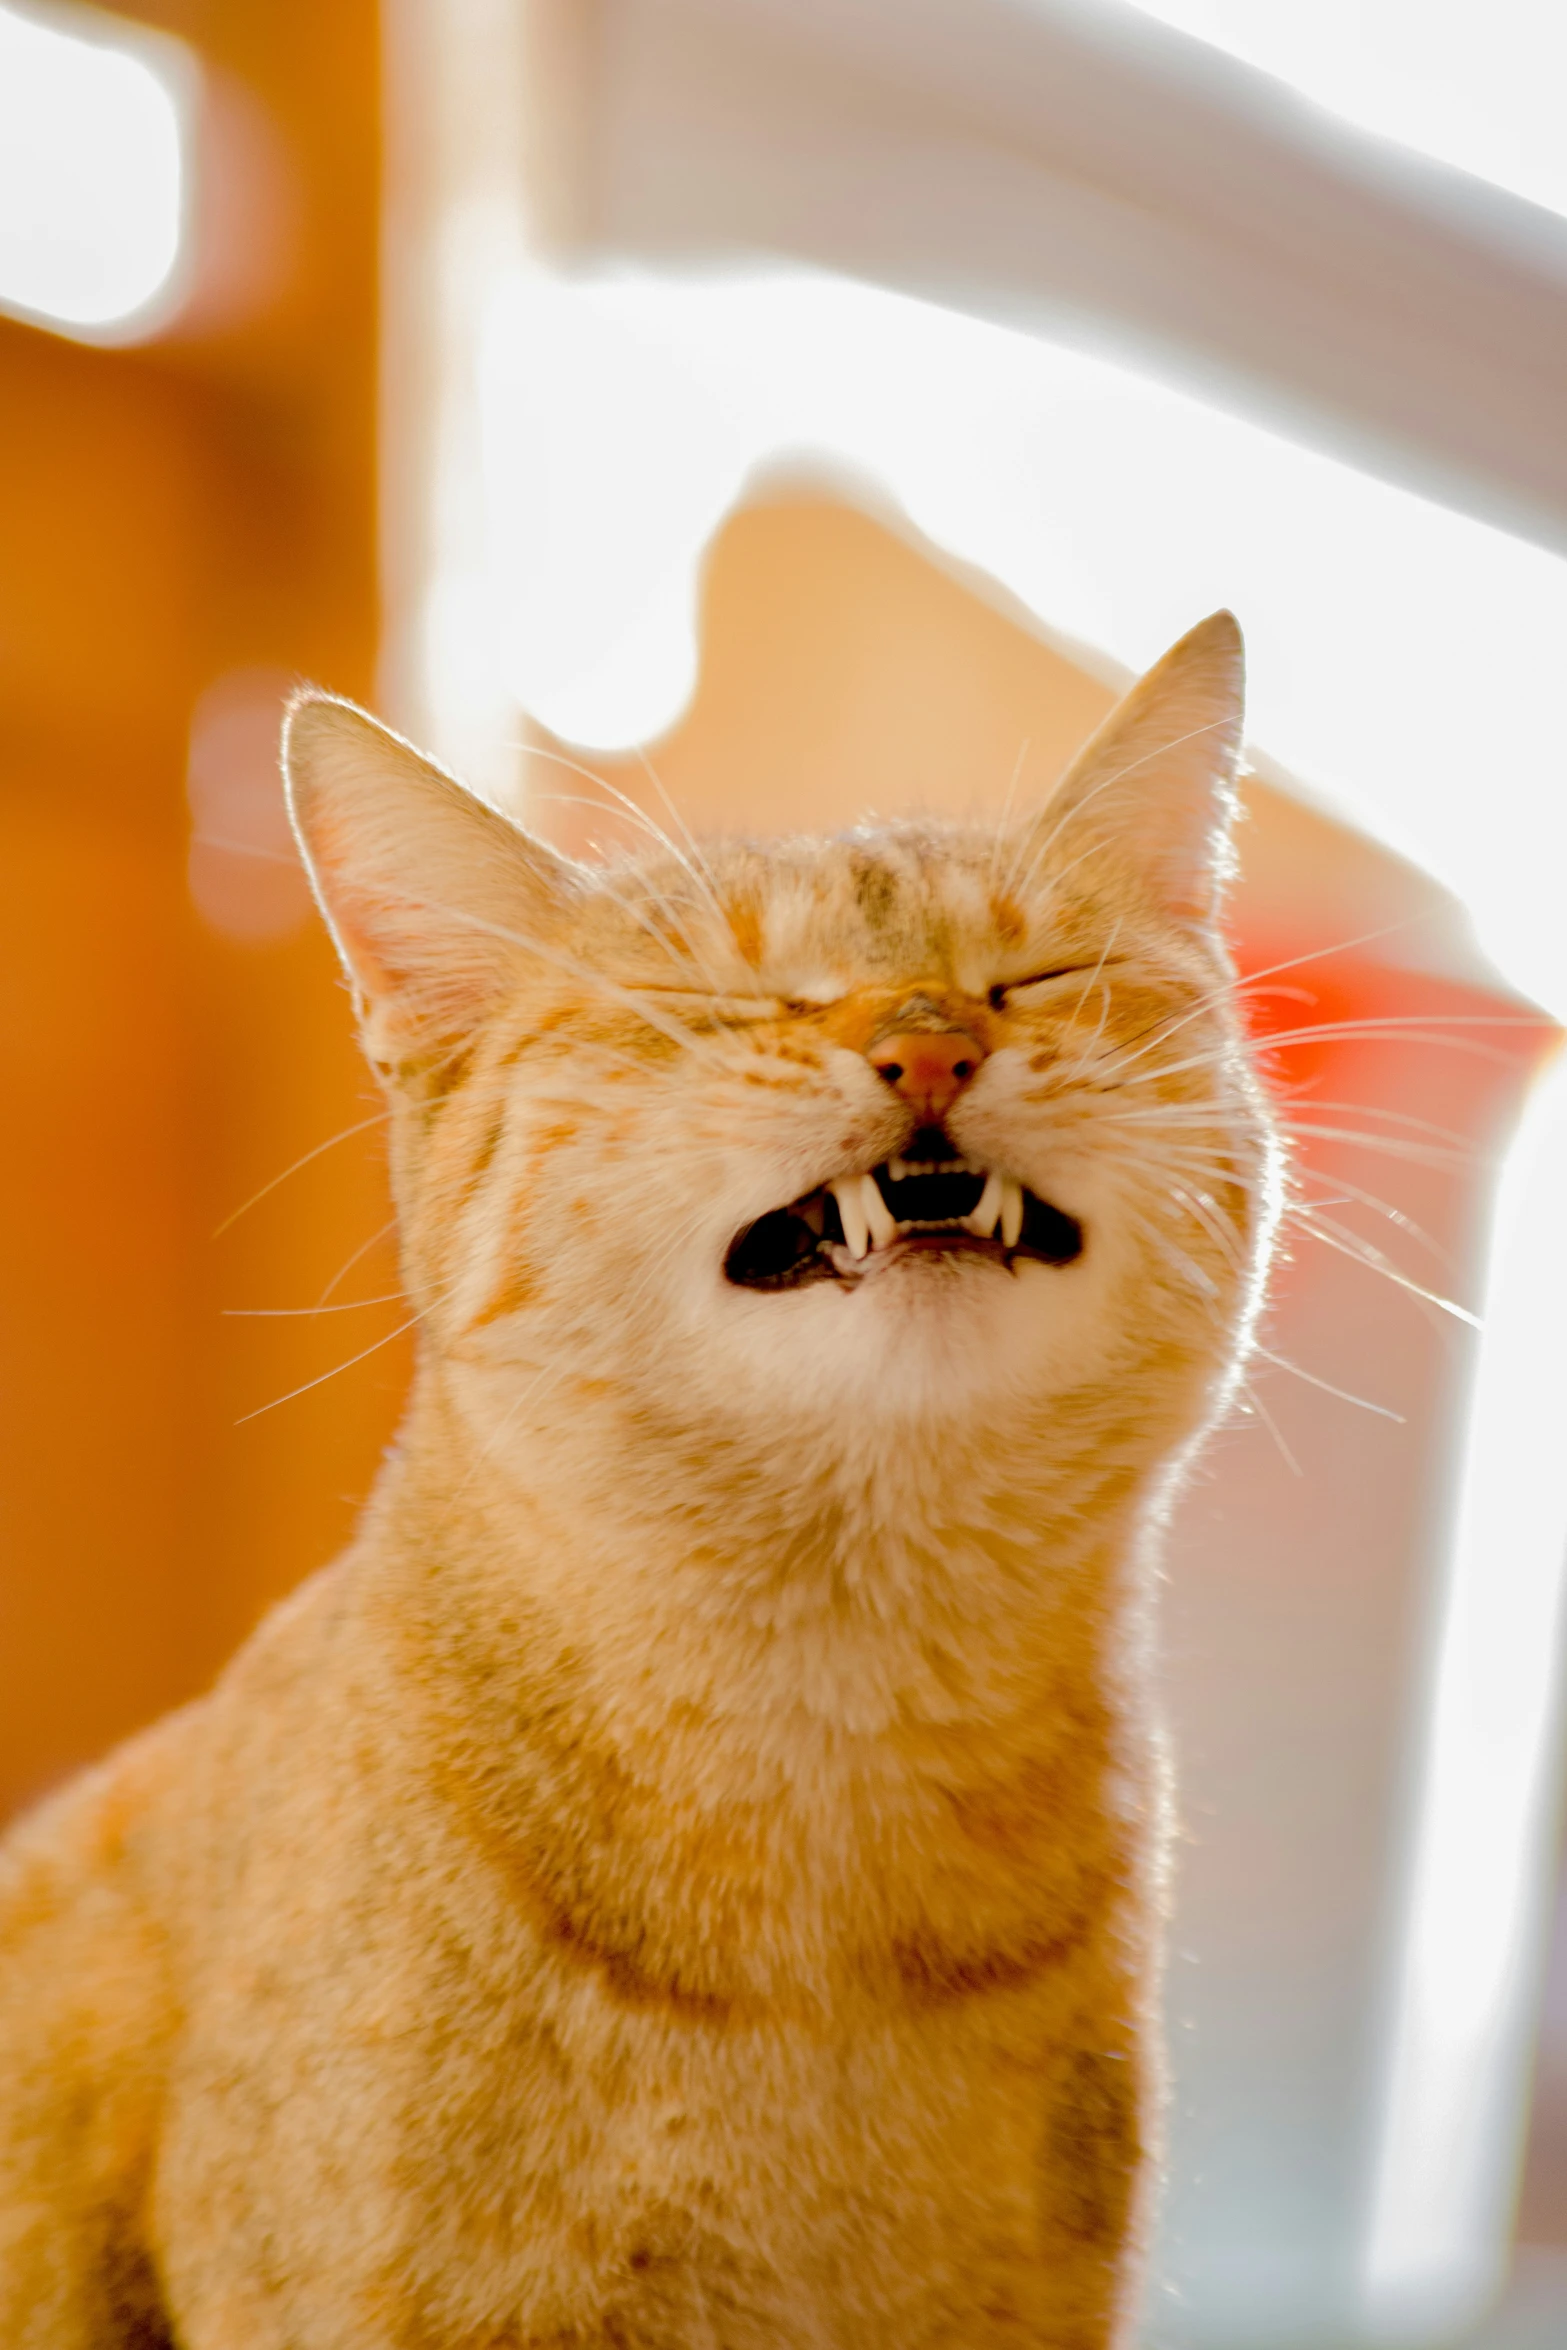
x=927, y=1336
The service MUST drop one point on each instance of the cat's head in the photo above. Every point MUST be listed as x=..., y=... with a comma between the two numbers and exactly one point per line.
x=920, y=1129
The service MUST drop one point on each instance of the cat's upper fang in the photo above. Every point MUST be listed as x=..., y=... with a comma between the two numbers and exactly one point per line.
x=869, y=1216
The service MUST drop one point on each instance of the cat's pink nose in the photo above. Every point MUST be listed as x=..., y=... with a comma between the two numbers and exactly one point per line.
x=928, y=1066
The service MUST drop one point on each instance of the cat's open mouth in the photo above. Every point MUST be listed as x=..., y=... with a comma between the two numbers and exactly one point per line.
x=930, y=1200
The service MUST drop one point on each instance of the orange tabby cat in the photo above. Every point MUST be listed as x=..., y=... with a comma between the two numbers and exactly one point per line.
x=691, y=1875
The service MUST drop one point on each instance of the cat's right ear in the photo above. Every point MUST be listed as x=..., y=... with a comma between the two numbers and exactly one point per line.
x=433, y=898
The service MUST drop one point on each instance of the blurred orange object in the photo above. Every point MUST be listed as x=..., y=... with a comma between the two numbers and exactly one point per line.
x=172, y=514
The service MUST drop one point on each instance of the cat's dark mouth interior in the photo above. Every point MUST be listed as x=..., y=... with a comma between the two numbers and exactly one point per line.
x=930, y=1198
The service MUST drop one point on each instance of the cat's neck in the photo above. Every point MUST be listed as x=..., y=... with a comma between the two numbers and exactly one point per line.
x=848, y=1585
x=845, y=1733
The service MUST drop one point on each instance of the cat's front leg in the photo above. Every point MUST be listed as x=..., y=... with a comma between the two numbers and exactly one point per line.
x=1097, y=2178
x=85, y=2016
x=74, y=2274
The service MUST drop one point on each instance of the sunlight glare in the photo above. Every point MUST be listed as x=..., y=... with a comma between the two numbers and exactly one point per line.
x=1403, y=658
x=91, y=168
x=1482, y=1832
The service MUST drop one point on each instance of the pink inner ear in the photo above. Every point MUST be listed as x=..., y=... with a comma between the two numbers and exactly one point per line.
x=430, y=893
x=1156, y=784
x=383, y=939
x=377, y=968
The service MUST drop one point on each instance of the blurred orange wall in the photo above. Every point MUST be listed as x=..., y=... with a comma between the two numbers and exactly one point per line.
x=168, y=514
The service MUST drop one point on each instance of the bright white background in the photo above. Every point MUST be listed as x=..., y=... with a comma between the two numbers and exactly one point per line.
x=1403, y=657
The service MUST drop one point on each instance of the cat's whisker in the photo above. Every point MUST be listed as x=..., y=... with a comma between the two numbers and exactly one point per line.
x=1227, y=1238
x=345, y=1134
x=1097, y=974
x=1182, y=1136
x=696, y=870
x=701, y=871
x=1059, y=880
x=1231, y=1242
x=1343, y=946
x=1296, y=1205
x=1401, y=1024
x=1253, y=985
x=306, y=1385
x=622, y=801
x=1257, y=1405
x=1449, y=1134
x=1309, y=1219
x=358, y=1257
x=1192, y=1162
x=693, y=957
x=1175, y=1118
x=1440, y=1158
x=1195, y=1275
x=582, y=973
x=1152, y=1114
x=1160, y=750
x=392, y=1297
x=1395, y=1028
x=1005, y=815
x=604, y=857
x=685, y=954
x=605, y=874
x=1154, y=1117
x=1077, y=1069
x=1282, y=1363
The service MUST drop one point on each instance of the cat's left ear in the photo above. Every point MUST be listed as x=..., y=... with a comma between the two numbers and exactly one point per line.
x=1155, y=787
x=434, y=898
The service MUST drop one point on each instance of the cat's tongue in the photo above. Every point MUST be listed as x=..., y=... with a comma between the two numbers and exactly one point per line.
x=948, y=1240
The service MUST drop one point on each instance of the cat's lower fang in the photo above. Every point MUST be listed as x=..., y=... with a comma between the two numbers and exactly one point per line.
x=983, y=1218
x=849, y=1192
x=880, y=1218
x=1011, y=1211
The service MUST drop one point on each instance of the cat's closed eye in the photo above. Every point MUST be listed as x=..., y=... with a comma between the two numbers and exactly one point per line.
x=1003, y=988
x=705, y=1003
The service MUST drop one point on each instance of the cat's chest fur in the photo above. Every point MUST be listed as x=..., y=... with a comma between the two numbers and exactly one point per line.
x=753, y=1782
x=661, y=2019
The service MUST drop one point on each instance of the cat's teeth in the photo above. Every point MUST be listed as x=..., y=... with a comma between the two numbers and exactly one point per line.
x=983, y=1218
x=1011, y=1211
x=883, y=1223
x=898, y=1170
x=849, y=1192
